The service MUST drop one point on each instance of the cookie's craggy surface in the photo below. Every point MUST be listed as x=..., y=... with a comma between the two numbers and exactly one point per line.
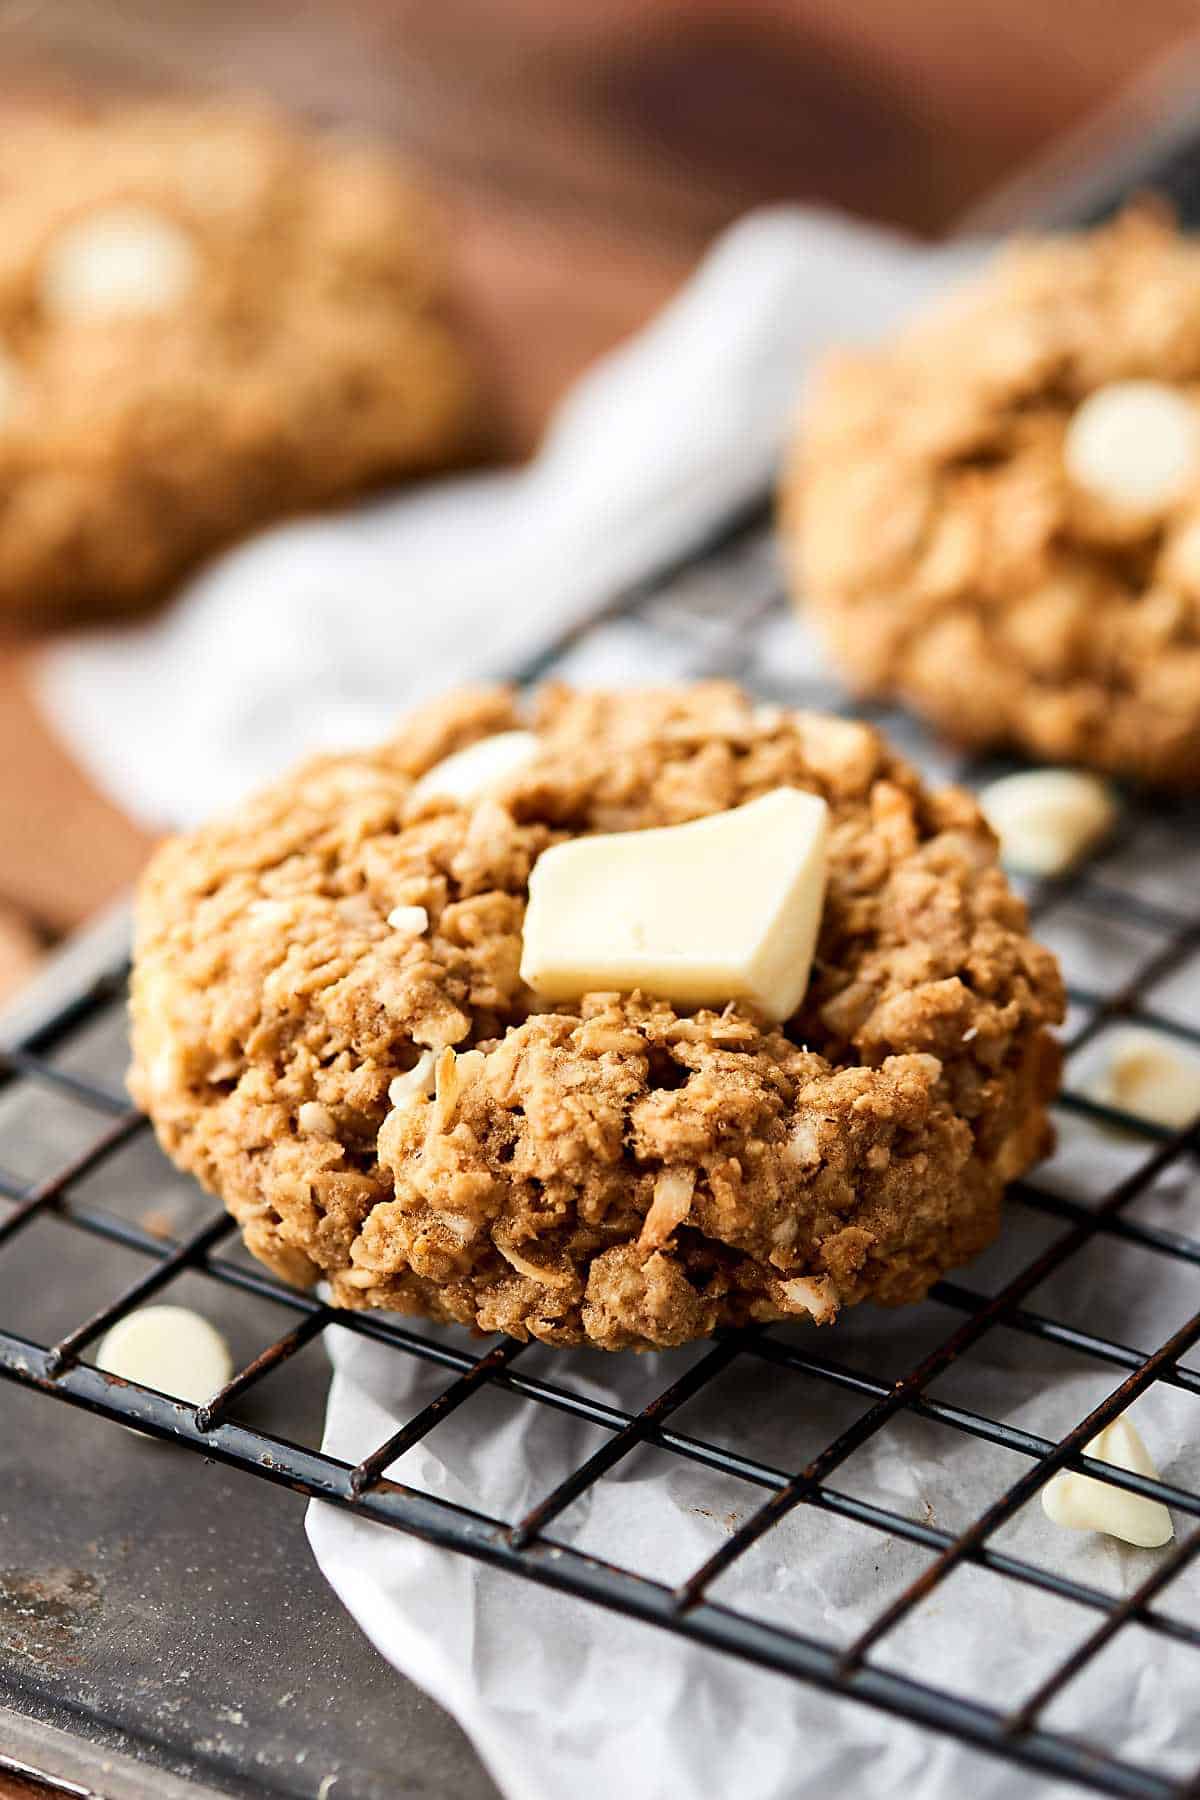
x=612, y=1171
x=951, y=560
x=306, y=358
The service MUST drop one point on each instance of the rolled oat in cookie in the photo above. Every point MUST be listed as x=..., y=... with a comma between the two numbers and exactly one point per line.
x=397, y=1112
x=996, y=516
x=208, y=320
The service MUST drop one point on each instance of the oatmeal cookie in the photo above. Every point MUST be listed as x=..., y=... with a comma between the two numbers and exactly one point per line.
x=1023, y=571
x=387, y=1105
x=207, y=321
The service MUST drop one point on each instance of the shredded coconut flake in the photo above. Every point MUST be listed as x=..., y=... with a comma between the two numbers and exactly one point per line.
x=815, y=1295
x=670, y=1206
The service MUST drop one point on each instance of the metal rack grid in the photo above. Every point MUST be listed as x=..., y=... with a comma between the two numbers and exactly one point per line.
x=721, y=611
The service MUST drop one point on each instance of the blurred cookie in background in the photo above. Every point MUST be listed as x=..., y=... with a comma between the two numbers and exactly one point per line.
x=996, y=516
x=208, y=321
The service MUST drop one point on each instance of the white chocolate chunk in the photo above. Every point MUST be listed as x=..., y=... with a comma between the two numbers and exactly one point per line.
x=412, y=921
x=120, y=262
x=416, y=1083
x=1046, y=819
x=724, y=908
x=169, y=1348
x=1134, y=444
x=1146, y=1074
x=469, y=773
x=1082, y=1503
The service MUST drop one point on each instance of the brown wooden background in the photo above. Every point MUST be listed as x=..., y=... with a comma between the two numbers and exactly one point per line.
x=584, y=151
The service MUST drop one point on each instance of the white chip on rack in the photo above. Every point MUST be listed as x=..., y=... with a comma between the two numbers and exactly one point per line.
x=1145, y=1073
x=469, y=773
x=723, y=908
x=169, y=1348
x=1082, y=1503
x=1047, y=819
x=118, y=262
x=1135, y=444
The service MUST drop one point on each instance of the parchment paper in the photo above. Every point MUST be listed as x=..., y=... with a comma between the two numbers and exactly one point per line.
x=560, y=1698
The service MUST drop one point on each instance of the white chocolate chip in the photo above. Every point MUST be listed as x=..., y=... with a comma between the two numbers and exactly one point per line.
x=416, y=1083
x=1046, y=819
x=723, y=908
x=412, y=921
x=1145, y=1074
x=469, y=773
x=316, y=1118
x=1082, y=1503
x=121, y=262
x=1134, y=444
x=169, y=1348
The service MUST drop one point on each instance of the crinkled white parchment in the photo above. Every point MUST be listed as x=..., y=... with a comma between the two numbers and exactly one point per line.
x=564, y=1698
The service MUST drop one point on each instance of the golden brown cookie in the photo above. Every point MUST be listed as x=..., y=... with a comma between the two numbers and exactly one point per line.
x=207, y=321
x=387, y=1105
x=996, y=516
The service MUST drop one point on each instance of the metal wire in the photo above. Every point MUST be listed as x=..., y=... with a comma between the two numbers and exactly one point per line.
x=676, y=618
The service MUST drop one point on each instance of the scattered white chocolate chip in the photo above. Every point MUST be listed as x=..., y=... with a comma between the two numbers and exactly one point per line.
x=316, y=1118
x=1134, y=444
x=723, y=908
x=1145, y=1074
x=169, y=1348
x=120, y=262
x=411, y=920
x=1083, y=1503
x=1047, y=819
x=416, y=1083
x=471, y=772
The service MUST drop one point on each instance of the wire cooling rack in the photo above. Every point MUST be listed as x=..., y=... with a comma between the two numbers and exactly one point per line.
x=722, y=611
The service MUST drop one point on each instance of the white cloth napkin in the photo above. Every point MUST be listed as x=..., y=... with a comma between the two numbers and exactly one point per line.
x=319, y=633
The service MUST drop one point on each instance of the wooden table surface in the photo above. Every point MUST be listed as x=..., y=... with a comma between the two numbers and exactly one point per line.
x=584, y=156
